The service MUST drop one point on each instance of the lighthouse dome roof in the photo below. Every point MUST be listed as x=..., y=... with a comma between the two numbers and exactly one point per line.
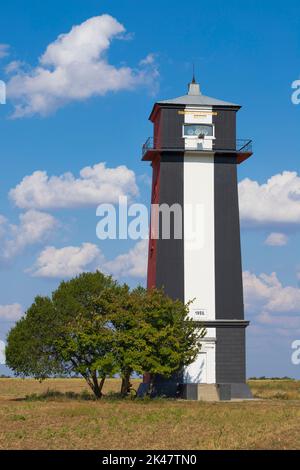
x=198, y=100
x=194, y=97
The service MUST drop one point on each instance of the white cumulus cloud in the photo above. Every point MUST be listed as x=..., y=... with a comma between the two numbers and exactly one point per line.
x=270, y=302
x=70, y=261
x=96, y=184
x=275, y=203
x=14, y=66
x=131, y=264
x=33, y=227
x=285, y=323
x=10, y=312
x=276, y=239
x=66, y=262
x=75, y=67
x=149, y=59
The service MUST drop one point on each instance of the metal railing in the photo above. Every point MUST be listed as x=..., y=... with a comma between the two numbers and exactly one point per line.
x=239, y=146
x=244, y=145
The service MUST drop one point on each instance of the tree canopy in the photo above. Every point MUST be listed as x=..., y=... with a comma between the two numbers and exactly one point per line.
x=95, y=327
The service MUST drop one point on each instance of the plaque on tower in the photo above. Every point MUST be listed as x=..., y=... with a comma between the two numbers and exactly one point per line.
x=198, y=314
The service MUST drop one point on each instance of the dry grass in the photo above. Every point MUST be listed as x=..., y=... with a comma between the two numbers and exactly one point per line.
x=64, y=423
x=276, y=389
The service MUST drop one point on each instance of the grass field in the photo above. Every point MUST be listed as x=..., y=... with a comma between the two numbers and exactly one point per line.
x=31, y=417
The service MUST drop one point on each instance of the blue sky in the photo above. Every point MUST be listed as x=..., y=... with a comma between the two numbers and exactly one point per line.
x=245, y=52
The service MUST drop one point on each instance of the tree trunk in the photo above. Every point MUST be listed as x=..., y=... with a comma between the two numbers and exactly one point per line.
x=97, y=388
x=126, y=385
x=102, y=383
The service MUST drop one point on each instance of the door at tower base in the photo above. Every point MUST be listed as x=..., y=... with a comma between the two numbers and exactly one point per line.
x=203, y=369
x=197, y=371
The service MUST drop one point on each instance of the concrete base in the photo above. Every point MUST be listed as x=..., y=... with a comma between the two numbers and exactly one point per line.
x=241, y=390
x=174, y=388
x=206, y=392
x=216, y=392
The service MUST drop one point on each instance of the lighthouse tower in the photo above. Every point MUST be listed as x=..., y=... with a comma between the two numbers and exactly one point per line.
x=194, y=154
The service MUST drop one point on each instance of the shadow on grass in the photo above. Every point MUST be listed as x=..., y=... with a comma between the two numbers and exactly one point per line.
x=55, y=395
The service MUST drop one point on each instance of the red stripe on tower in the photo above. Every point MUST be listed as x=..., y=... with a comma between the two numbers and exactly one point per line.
x=152, y=250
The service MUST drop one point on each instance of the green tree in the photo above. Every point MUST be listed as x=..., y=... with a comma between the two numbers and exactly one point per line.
x=152, y=332
x=29, y=350
x=125, y=320
x=173, y=340
x=94, y=327
x=65, y=334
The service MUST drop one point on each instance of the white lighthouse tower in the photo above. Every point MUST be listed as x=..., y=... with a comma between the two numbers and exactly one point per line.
x=194, y=154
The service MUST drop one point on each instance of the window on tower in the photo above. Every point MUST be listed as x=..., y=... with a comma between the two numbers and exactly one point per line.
x=198, y=130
